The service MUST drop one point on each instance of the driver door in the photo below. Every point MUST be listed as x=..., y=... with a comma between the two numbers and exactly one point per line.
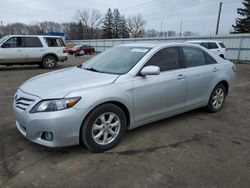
x=158, y=96
x=11, y=51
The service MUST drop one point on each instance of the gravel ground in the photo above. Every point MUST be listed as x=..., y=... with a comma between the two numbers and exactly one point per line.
x=195, y=149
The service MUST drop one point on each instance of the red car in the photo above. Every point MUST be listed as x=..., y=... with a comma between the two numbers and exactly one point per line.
x=86, y=48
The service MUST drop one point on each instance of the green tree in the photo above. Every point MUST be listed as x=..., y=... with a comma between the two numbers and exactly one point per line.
x=108, y=25
x=117, y=23
x=243, y=24
x=124, y=28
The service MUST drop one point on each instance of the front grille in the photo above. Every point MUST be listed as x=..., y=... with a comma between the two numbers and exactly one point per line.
x=23, y=103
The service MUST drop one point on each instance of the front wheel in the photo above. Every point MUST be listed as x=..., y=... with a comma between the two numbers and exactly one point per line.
x=103, y=128
x=49, y=62
x=217, y=99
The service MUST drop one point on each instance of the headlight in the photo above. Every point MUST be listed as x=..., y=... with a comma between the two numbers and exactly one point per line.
x=55, y=105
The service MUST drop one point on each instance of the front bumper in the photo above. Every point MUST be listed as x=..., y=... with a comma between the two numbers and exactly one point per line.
x=65, y=125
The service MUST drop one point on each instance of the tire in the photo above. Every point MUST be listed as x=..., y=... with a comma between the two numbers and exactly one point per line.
x=222, y=56
x=217, y=99
x=99, y=124
x=49, y=62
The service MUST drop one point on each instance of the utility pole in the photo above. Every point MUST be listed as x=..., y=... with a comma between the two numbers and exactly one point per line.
x=181, y=28
x=218, y=20
x=161, y=29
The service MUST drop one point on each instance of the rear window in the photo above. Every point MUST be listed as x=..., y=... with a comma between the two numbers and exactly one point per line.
x=204, y=44
x=222, y=45
x=54, y=42
x=212, y=45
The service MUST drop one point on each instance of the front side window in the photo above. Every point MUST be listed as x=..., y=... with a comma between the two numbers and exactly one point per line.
x=166, y=59
x=31, y=42
x=193, y=57
x=209, y=59
x=212, y=45
x=13, y=42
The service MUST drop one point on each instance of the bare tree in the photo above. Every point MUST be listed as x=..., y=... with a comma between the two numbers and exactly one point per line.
x=91, y=21
x=136, y=26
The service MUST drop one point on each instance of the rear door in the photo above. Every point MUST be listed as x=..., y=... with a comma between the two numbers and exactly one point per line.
x=160, y=95
x=201, y=71
x=11, y=51
x=32, y=49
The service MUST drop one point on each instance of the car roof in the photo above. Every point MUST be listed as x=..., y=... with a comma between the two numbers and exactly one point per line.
x=34, y=36
x=200, y=41
x=156, y=45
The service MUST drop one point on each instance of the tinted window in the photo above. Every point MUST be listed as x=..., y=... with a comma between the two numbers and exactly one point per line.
x=209, y=59
x=212, y=45
x=204, y=44
x=222, y=45
x=31, y=42
x=13, y=42
x=193, y=57
x=166, y=59
x=53, y=42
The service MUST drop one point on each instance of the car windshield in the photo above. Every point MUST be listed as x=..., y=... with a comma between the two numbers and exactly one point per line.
x=3, y=39
x=117, y=60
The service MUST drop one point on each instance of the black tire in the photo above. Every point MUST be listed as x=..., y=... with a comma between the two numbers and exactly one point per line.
x=214, y=106
x=222, y=56
x=87, y=132
x=49, y=62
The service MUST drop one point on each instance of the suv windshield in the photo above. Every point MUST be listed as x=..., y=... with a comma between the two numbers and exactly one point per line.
x=3, y=39
x=117, y=60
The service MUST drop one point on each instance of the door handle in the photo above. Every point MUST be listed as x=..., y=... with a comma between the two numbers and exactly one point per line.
x=181, y=77
x=215, y=70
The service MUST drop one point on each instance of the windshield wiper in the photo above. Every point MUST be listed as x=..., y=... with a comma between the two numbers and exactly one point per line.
x=92, y=69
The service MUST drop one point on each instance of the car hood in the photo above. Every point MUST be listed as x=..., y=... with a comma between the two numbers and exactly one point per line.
x=58, y=84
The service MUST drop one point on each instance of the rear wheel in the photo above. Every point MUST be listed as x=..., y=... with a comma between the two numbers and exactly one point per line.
x=217, y=99
x=103, y=128
x=49, y=62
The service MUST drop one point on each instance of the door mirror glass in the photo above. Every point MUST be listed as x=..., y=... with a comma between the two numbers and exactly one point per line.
x=150, y=70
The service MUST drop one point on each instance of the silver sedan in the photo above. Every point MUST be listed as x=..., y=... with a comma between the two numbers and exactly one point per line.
x=120, y=89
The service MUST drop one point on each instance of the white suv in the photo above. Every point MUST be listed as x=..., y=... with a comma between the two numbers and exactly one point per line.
x=217, y=47
x=32, y=49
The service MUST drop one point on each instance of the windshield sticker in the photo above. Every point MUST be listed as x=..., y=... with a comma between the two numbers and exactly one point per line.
x=141, y=50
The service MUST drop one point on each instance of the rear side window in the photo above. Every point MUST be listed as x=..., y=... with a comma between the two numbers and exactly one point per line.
x=209, y=59
x=54, y=42
x=31, y=42
x=193, y=57
x=222, y=45
x=212, y=45
x=166, y=59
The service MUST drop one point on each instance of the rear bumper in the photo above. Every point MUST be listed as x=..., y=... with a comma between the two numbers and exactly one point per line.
x=63, y=58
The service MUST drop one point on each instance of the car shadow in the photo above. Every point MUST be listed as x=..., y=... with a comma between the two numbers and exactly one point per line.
x=171, y=121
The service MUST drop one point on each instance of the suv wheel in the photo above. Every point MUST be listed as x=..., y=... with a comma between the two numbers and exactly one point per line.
x=103, y=128
x=49, y=62
x=217, y=99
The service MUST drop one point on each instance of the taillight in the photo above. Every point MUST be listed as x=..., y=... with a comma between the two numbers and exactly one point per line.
x=234, y=68
x=64, y=50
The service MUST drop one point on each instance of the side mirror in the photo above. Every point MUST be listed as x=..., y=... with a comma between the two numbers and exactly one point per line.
x=150, y=70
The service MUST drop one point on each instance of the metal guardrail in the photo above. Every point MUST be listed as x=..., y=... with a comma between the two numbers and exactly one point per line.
x=238, y=45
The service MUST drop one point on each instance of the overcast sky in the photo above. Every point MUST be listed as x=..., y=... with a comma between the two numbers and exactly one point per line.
x=197, y=15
